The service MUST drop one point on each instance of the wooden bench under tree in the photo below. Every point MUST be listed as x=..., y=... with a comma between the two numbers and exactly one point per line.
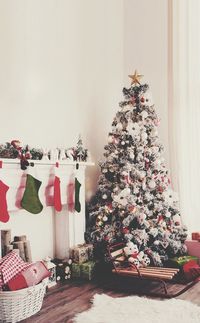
x=122, y=267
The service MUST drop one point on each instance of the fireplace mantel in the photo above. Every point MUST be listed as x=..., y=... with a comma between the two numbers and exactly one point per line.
x=50, y=233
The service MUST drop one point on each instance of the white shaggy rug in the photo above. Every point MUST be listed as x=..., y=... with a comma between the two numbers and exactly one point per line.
x=134, y=309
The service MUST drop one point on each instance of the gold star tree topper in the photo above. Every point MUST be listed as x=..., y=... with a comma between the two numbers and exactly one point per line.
x=135, y=78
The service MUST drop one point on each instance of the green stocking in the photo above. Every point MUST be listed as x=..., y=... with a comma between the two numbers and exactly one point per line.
x=30, y=200
x=77, y=195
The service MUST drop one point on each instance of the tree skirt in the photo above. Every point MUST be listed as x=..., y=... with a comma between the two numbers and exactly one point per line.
x=135, y=309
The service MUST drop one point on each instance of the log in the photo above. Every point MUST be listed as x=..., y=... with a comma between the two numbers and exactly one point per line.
x=20, y=238
x=16, y=251
x=8, y=248
x=5, y=240
x=27, y=250
x=20, y=245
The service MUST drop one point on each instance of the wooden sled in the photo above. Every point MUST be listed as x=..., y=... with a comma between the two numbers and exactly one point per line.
x=163, y=275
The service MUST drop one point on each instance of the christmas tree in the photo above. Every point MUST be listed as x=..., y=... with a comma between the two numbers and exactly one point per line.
x=134, y=201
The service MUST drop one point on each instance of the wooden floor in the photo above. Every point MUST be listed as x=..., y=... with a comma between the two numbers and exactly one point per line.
x=62, y=302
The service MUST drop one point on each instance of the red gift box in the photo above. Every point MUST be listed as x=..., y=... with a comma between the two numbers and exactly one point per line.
x=30, y=276
x=195, y=235
x=191, y=270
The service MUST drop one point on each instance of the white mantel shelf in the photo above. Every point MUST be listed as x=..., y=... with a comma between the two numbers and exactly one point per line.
x=44, y=162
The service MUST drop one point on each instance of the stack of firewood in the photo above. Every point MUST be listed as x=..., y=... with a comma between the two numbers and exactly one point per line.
x=20, y=244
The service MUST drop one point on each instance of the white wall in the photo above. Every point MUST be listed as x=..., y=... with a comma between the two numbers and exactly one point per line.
x=60, y=63
x=146, y=49
x=63, y=66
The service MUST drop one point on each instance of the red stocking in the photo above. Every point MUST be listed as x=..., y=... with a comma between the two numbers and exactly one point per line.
x=57, y=197
x=4, y=216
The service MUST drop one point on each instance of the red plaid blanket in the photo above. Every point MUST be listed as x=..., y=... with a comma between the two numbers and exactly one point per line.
x=10, y=266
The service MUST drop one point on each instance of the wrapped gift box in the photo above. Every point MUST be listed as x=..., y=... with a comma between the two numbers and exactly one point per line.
x=180, y=261
x=84, y=271
x=191, y=270
x=81, y=253
x=63, y=269
x=87, y=270
x=76, y=270
x=196, y=236
x=193, y=248
x=52, y=269
x=90, y=249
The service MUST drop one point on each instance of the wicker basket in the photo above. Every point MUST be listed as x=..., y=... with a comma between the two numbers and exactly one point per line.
x=18, y=305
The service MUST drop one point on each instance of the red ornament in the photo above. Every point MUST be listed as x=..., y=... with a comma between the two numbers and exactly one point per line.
x=131, y=208
x=147, y=164
x=142, y=99
x=133, y=99
x=16, y=144
x=160, y=218
x=106, y=238
x=125, y=230
x=28, y=155
x=109, y=206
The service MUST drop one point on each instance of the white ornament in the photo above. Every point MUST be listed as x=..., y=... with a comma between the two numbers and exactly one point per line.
x=70, y=154
x=144, y=185
x=104, y=196
x=152, y=184
x=54, y=154
x=105, y=218
x=141, y=218
x=62, y=154
x=144, y=136
x=144, y=114
x=168, y=214
x=153, y=232
x=45, y=154
x=131, y=155
x=133, y=128
x=119, y=126
x=177, y=219
x=121, y=198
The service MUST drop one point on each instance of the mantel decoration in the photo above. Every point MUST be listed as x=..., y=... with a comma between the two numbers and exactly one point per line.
x=15, y=149
x=57, y=192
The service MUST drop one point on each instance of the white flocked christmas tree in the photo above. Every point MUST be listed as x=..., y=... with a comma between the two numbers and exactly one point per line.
x=134, y=201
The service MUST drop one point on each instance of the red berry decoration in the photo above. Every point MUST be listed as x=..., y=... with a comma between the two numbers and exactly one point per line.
x=28, y=155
